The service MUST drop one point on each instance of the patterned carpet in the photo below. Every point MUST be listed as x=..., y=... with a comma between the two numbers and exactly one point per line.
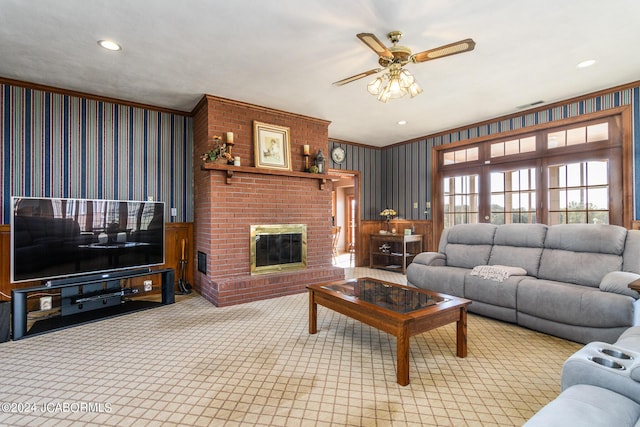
x=191, y=363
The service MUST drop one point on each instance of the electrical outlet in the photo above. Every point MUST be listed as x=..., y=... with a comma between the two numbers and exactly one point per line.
x=45, y=303
x=148, y=285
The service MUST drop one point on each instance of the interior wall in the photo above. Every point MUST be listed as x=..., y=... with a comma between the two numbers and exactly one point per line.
x=367, y=161
x=400, y=176
x=56, y=145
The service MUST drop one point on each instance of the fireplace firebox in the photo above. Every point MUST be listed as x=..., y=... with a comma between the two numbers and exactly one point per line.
x=278, y=247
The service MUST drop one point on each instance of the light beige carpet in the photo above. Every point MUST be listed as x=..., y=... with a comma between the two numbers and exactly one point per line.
x=256, y=364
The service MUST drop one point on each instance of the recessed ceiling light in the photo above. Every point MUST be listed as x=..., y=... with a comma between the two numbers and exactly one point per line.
x=587, y=63
x=109, y=45
x=402, y=122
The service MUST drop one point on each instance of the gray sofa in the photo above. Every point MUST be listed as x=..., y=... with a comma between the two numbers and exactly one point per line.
x=573, y=282
x=600, y=387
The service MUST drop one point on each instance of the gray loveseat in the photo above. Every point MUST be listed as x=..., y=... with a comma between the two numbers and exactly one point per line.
x=600, y=387
x=573, y=282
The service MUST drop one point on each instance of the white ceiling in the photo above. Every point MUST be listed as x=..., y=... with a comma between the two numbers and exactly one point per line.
x=284, y=54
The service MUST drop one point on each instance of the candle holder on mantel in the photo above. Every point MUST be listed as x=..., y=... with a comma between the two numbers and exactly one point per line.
x=321, y=162
x=230, y=142
x=305, y=154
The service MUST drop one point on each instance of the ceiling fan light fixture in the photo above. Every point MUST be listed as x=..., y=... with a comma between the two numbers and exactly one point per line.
x=375, y=86
x=395, y=87
x=385, y=95
x=399, y=82
x=414, y=89
x=396, y=81
x=406, y=78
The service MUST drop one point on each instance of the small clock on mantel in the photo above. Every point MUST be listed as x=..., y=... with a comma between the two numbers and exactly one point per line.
x=338, y=155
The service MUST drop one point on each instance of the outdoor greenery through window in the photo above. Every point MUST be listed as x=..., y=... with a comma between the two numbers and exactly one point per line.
x=460, y=200
x=513, y=196
x=556, y=175
x=579, y=193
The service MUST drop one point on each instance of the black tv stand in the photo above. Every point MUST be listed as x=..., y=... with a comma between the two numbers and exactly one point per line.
x=88, y=298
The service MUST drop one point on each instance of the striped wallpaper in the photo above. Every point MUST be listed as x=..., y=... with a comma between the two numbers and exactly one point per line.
x=98, y=149
x=55, y=145
x=368, y=161
x=404, y=171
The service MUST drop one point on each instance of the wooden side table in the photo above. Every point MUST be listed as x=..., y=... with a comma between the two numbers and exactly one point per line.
x=393, y=252
x=635, y=285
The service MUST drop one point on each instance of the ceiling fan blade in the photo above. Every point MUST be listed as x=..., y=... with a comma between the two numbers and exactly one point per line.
x=357, y=76
x=465, y=45
x=376, y=45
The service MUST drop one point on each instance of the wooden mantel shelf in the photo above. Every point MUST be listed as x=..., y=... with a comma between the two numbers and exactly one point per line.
x=322, y=178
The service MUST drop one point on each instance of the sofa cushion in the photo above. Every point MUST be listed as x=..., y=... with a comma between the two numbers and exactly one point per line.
x=631, y=255
x=618, y=282
x=443, y=240
x=469, y=245
x=580, y=268
x=587, y=405
x=446, y=280
x=519, y=245
x=492, y=292
x=597, y=238
x=582, y=253
x=574, y=304
x=472, y=234
x=521, y=235
x=527, y=258
x=467, y=256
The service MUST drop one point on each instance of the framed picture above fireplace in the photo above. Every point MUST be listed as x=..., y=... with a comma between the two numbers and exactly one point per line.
x=271, y=146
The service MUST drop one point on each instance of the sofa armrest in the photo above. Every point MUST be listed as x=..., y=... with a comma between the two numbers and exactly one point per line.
x=430, y=258
x=634, y=371
x=618, y=282
x=630, y=339
x=596, y=364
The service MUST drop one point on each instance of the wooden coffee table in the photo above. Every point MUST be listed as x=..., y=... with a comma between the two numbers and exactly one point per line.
x=399, y=310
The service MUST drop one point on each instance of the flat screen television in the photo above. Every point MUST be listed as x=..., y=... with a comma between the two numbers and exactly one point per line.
x=63, y=237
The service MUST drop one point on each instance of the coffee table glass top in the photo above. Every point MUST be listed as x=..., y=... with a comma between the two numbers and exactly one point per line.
x=400, y=299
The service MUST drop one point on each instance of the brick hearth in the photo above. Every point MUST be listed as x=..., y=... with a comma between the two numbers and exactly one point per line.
x=224, y=212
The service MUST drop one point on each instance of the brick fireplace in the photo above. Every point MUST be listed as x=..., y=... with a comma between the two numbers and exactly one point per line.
x=227, y=206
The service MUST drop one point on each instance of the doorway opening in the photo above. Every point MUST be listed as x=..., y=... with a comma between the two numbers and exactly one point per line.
x=346, y=215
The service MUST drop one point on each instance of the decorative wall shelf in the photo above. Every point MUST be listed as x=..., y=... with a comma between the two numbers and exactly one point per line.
x=230, y=170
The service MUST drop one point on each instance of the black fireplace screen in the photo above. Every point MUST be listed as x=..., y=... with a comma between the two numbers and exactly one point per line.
x=278, y=249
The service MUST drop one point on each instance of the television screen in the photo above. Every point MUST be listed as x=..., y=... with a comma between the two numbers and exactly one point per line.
x=60, y=237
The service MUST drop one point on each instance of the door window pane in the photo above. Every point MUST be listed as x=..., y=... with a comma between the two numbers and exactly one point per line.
x=585, y=196
x=513, y=196
x=574, y=190
x=460, y=197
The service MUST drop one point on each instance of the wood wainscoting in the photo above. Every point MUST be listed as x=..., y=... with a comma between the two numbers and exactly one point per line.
x=174, y=233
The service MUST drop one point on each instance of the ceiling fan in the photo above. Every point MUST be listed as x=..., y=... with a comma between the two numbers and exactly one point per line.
x=398, y=81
